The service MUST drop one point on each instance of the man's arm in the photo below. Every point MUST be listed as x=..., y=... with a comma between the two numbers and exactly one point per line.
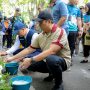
x=14, y=47
x=79, y=23
x=21, y=54
x=63, y=11
x=52, y=50
x=61, y=21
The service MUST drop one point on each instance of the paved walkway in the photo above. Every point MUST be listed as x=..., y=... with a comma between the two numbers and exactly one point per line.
x=76, y=79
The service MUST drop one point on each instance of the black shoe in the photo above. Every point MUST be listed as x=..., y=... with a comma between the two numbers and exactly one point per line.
x=49, y=78
x=89, y=69
x=58, y=87
x=84, y=61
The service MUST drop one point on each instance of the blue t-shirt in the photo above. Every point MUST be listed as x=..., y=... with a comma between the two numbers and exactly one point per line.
x=74, y=13
x=59, y=10
x=86, y=18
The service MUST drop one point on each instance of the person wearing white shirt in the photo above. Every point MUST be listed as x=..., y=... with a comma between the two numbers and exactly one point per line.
x=24, y=38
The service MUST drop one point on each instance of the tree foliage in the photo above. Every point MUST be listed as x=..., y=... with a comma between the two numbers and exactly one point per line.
x=27, y=6
x=86, y=1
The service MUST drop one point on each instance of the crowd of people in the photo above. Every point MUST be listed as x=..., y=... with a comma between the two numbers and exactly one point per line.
x=50, y=41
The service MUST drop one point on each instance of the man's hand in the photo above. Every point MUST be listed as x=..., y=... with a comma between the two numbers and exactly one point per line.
x=8, y=59
x=80, y=34
x=26, y=63
x=3, y=53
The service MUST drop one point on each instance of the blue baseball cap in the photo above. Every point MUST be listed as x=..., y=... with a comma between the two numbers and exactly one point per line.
x=44, y=15
x=18, y=26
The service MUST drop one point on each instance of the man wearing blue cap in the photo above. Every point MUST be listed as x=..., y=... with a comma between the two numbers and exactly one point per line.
x=24, y=38
x=55, y=56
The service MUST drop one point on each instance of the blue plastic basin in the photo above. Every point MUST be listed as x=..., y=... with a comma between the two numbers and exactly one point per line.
x=26, y=86
x=12, y=68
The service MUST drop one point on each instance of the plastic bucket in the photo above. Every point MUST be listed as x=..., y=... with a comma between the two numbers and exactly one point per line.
x=12, y=68
x=21, y=82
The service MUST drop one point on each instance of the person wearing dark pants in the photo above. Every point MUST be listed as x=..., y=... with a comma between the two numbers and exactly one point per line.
x=7, y=29
x=53, y=64
x=86, y=34
x=72, y=40
x=55, y=56
x=74, y=24
x=7, y=38
x=86, y=50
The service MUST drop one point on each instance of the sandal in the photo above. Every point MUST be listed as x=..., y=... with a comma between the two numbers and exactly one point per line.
x=84, y=61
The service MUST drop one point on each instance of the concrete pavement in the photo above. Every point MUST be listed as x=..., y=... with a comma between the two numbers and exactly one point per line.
x=78, y=78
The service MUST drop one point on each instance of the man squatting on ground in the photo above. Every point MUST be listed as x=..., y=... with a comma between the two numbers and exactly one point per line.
x=55, y=56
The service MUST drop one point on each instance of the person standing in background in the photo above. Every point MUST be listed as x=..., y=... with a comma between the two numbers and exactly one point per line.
x=17, y=17
x=86, y=34
x=7, y=29
x=74, y=23
x=60, y=13
x=78, y=39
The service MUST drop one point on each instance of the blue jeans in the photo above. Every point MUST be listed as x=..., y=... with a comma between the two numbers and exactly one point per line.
x=54, y=64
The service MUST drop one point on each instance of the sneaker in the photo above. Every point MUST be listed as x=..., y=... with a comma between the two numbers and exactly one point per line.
x=69, y=69
x=74, y=55
x=58, y=87
x=49, y=78
x=84, y=61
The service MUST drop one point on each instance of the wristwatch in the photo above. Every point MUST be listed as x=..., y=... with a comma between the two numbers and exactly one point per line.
x=32, y=60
